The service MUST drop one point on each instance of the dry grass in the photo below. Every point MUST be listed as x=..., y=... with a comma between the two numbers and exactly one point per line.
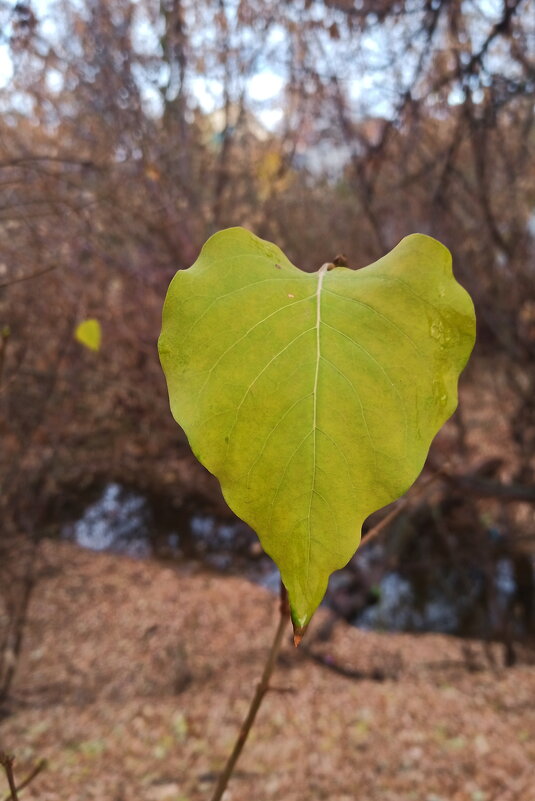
x=135, y=677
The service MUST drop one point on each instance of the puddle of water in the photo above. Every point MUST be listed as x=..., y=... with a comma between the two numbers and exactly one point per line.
x=122, y=521
x=396, y=610
x=116, y=522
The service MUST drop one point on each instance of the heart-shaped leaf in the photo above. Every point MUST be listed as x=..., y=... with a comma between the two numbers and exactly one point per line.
x=313, y=397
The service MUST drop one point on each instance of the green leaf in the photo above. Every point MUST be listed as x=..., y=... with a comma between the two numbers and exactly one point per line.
x=88, y=333
x=313, y=397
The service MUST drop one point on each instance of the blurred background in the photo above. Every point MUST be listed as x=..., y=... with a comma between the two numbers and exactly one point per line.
x=130, y=131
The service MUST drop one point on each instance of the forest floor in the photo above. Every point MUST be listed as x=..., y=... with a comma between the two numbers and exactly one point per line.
x=135, y=677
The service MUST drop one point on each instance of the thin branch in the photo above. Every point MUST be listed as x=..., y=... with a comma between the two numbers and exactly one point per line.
x=41, y=765
x=17, y=626
x=23, y=160
x=28, y=277
x=487, y=488
x=261, y=690
x=6, y=760
x=387, y=519
x=4, y=339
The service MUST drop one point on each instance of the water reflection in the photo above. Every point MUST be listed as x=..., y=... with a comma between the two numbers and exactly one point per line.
x=367, y=593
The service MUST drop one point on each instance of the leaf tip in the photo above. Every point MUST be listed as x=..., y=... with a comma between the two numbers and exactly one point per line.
x=299, y=633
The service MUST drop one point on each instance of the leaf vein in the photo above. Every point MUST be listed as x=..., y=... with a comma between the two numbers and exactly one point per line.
x=244, y=336
x=379, y=314
x=328, y=361
x=381, y=368
x=286, y=413
x=283, y=476
x=229, y=294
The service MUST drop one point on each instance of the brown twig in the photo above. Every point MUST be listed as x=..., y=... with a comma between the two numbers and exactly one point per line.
x=261, y=690
x=4, y=339
x=387, y=519
x=7, y=760
x=41, y=765
x=29, y=277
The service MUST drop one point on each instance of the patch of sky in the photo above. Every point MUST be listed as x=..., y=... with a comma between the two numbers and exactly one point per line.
x=6, y=67
x=376, y=67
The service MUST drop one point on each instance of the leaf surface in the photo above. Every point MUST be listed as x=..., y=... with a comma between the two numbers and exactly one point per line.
x=89, y=333
x=313, y=397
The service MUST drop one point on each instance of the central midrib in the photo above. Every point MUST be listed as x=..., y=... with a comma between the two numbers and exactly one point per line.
x=321, y=275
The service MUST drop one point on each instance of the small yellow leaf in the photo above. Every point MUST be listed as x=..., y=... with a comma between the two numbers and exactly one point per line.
x=89, y=333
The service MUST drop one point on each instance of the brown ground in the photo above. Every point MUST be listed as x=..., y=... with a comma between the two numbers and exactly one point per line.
x=135, y=678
